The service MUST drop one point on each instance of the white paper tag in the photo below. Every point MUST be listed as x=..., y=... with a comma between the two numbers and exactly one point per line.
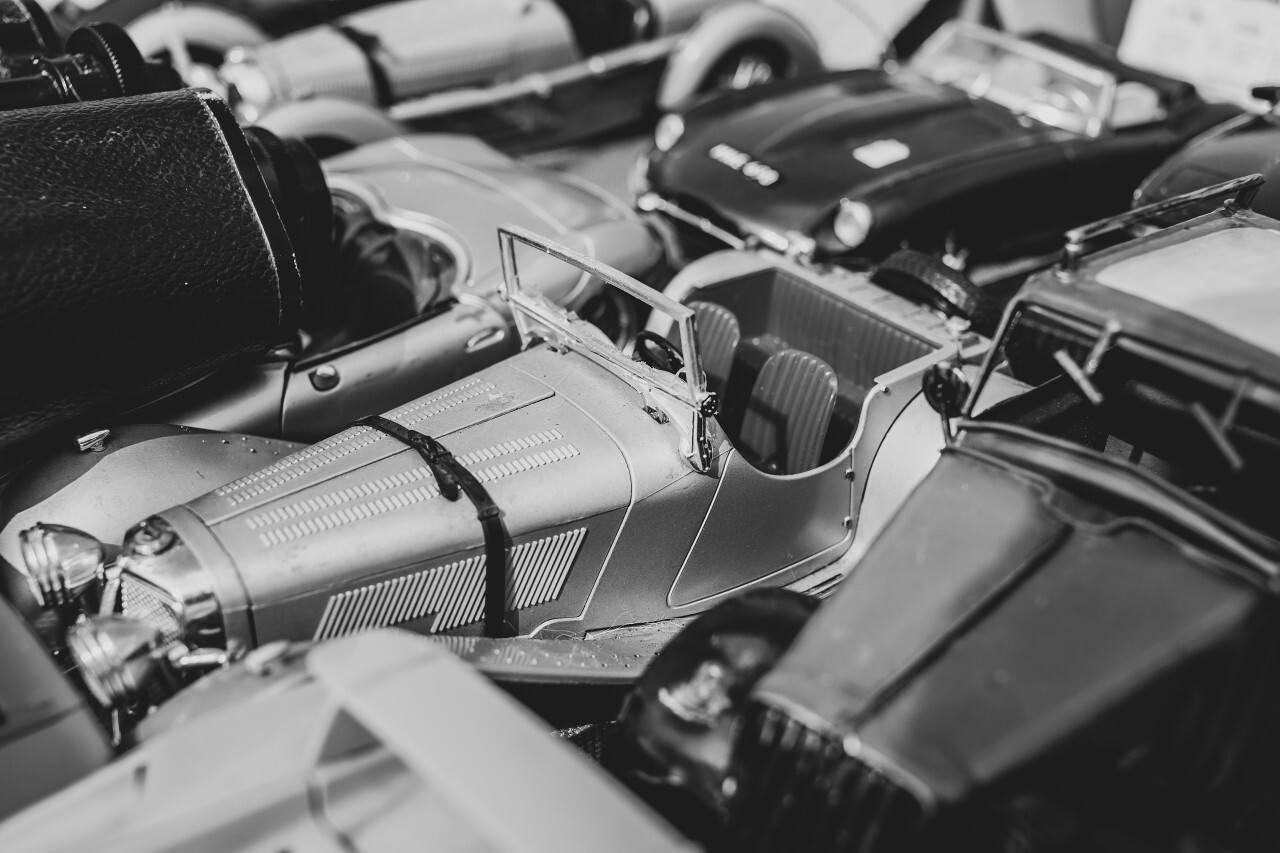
x=1224, y=47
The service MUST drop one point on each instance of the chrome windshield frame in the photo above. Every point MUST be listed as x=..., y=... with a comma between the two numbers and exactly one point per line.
x=529, y=309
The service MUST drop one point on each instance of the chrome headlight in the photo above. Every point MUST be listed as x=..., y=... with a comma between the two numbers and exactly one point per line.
x=118, y=658
x=668, y=131
x=62, y=563
x=853, y=223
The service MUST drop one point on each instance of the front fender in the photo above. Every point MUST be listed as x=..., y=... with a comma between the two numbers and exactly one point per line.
x=331, y=124
x=723, y=30
x=106, y=492
x=216, y=30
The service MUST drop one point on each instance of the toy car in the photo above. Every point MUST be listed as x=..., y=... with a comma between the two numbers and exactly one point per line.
x=1247, y=144
x=373, y=743
x=1063, y=640
x=602, y=492
x=984, y=147
x=415, y=303
x=524, y=75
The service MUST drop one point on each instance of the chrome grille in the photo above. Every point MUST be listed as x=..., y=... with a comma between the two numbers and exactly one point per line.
x=141, y=602
x=799, y=790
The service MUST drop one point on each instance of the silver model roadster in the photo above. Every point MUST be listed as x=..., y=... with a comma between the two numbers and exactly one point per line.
x=564, y=492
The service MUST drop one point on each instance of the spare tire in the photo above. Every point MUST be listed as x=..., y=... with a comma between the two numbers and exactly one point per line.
x=925, y=279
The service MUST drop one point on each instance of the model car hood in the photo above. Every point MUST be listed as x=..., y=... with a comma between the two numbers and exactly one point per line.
x=471, y=189
x=995, y=616
x=331, y=518
x=854, y=135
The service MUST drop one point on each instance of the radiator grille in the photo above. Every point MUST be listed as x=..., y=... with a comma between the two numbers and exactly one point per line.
x=454, y=592
x=140, y=601
x=799, y=790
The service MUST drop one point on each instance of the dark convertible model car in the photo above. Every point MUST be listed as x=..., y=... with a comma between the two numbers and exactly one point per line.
x=984, y=146
x=1066, y=638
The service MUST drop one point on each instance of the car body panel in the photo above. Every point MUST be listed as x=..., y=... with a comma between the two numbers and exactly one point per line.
x=775, y=163
x=48, y=736
x=73, y=485
x=346, y=745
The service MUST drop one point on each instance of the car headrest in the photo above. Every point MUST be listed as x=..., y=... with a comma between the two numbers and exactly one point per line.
x=140, y=248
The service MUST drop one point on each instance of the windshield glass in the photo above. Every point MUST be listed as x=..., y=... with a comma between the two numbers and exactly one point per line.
x=1019, y=76
x=1211, y=433
x=682, y=395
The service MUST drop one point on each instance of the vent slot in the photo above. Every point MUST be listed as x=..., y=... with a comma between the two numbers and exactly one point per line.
x=454, y=592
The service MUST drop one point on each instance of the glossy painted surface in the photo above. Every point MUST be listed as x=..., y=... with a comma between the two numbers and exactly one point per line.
x=930, y=161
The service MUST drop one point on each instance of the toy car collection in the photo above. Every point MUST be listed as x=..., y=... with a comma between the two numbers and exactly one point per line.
x=752, y=444
x=984, y=146
x=527, y=75
x=1063, y=639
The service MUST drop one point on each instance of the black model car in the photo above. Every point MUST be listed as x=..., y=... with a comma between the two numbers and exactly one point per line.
x=1244, y=145
x=1066, y=639
x=984, y=146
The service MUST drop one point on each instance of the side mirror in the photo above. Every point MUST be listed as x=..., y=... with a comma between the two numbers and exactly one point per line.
x=946, y=388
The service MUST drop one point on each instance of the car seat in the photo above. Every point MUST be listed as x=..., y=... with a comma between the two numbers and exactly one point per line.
x=788, y=413
x=718, y=337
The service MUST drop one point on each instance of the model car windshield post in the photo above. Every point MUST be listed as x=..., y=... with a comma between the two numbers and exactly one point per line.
x=532, y=311
x=1243, y=191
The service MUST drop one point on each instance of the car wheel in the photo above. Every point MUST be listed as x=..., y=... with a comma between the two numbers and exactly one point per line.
x=925, y=279
x=748, y=65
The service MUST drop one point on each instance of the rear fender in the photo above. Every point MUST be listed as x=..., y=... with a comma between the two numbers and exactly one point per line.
x=725, y=29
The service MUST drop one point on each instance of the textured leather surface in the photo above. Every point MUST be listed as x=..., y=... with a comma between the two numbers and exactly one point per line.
x=718, y=337
x=789, y=412
x=138, y=250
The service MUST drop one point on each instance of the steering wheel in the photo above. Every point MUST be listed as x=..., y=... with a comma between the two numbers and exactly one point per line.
x=657, y=352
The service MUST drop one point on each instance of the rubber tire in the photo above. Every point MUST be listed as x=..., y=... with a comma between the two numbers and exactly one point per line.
x=923, y=278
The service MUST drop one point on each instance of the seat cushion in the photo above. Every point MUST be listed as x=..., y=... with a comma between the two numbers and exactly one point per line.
x=718, y=337
x=789, y=412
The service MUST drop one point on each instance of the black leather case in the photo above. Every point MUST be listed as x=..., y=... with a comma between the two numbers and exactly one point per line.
x=139, y=249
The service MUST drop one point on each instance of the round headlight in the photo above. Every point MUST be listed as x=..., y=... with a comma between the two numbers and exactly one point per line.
x=853, y=223
x=117, y=657
x=668, y=131
x=62, y=563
